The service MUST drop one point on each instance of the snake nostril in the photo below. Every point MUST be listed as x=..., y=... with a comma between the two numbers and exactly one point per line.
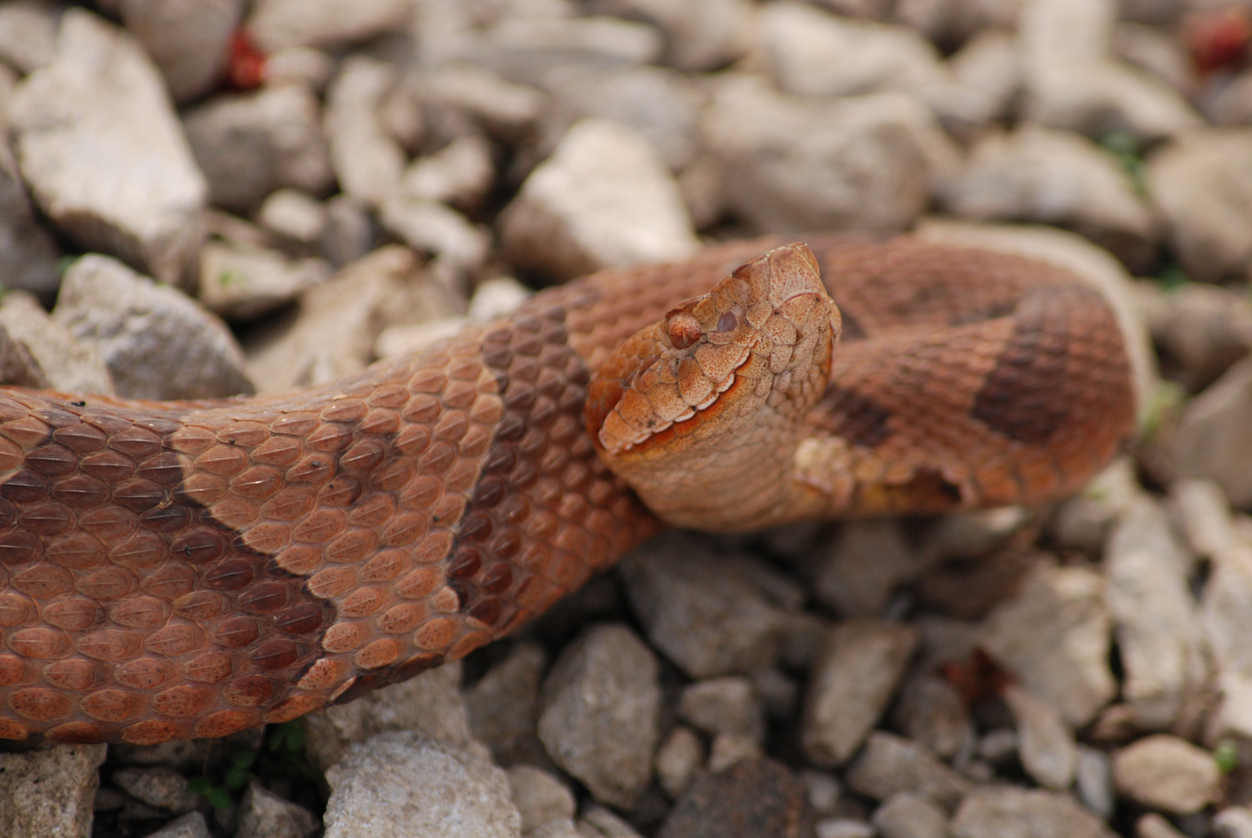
x=727, y=322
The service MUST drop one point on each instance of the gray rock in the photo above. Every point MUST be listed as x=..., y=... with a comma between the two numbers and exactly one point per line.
x=1202, y=329
x=540, y=798
x=263, y=814
x=890, y=765
x=754, y=798
x=991, y=64
x=241, y=282
x=599, y=712
x=1054, y=636
x=603, y=199
x=1073, y=83
x=157, y=786
x=368, y=160
x=190, y=825
x=564, y=828
x=249, y=144
x=278, y=24
x=677, y=760
x=429, y=705
x=1084, y=521
x=1233, y=822
x=1046, y=744
x=1054, y=177
x=1201, y=184
x=460, y=174
x=1163, y=649
x=599, y=822
x=497, y=297
x=907, y=815
x=49, y=793
x=1094, y=781
x=1167, y=773
x=795, y=164
x=857, y=573
x=417, y=337
x=1004, y=812
x=953, y=21
x=699, y=34
x=507, y=111
x=1227, y=607
x=821, y=789
x=814, y=53
x=308, y=66
x=28, y=254
x=156, y=342
x=659, y=105
x=187, y=39
x=293, y=214
x=503, y=706
x=730, y=749
x=1230, y=102
x=350, y=232
x=857, y=674
x=931, y=711
x=434, y=228
x=525, y=48
x=723, y=705
x=844, y=828
x=1153, y=825
x=103, y=153
x=1212, y=439
x=1155, y=50
x=705, y=618
x=28, y=35
x=331, y=332
x=399, y=784
x=36, y=351
x=999, y=747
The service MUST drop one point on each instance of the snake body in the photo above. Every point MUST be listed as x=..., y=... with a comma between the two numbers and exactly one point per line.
x=180, y=570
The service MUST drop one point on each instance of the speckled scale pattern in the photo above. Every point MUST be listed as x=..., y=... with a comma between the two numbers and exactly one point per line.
x=190, y=569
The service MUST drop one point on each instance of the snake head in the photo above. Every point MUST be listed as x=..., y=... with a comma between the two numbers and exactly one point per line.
x=716, y=390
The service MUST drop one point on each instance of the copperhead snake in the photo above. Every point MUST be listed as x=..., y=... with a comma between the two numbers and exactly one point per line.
x=179, y=570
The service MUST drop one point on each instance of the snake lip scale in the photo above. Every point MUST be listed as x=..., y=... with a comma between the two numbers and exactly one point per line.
x=181, y=570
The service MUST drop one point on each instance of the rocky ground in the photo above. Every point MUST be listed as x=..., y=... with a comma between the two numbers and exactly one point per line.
x=278, y=192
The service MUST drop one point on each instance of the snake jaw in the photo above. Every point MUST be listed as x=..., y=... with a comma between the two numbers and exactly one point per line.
x=691, y=394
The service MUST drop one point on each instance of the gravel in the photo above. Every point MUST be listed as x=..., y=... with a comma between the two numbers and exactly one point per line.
x=209, y=198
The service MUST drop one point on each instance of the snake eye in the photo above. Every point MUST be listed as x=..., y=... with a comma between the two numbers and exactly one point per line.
x=684, y=330
x=727, y=322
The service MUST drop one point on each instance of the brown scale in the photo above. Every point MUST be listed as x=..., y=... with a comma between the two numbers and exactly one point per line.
x=186, y=570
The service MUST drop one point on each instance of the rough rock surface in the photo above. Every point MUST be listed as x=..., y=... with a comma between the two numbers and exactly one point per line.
x=103, y=153
x=1201, y=184
x=603, y=199
x=1168, y=773
x=1055, y=637
x=49, y=792
x=792, y=164
x=708, y=621
x=156, y=341
x=854, y=679
x=401, y=784
x=599, y=713
x=249, y=144
x=755, y=798
x=1005, y=812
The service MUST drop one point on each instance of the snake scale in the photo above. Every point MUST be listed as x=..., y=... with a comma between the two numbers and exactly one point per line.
x=179, y=570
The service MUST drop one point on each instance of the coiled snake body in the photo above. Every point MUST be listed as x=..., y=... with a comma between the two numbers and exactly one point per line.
x=192, y=569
